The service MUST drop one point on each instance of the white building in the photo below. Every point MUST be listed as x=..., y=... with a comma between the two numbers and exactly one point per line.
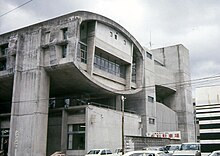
x=208, y=114
x=61, y=83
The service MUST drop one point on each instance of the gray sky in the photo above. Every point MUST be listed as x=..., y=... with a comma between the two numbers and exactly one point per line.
x=193, y=23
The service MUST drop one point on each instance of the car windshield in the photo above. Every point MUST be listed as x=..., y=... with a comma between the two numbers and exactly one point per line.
x=189, y=147
x=94, y=152
x=172, y=148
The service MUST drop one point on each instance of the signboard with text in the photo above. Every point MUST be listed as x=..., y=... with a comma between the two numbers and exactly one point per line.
x=176, y=135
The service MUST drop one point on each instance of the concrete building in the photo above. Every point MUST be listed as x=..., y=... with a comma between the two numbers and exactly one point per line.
x=61, y=83
x=207, y=113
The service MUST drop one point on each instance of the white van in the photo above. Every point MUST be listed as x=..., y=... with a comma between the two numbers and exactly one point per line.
x=189, y=149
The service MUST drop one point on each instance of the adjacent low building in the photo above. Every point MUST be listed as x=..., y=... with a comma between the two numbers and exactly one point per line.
x=207, y=114
x=62, y=82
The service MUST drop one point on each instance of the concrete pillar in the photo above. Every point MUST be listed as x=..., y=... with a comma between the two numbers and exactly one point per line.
x=29, y=115
x=90, y=46
x=118, y=102
x=63, y=131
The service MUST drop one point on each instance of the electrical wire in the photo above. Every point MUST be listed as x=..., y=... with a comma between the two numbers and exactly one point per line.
x=15, y=8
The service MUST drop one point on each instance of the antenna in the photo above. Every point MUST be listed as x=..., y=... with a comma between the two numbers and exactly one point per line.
x=150, y=43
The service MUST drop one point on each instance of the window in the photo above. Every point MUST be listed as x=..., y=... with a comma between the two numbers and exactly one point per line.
x=64, y=50
x=76, y=137
x=3, y=64
x=111, y=34
x=64, y=31
x=47, y=37
x=149, y=55
x=4, y=138
x=116, y=35
x=125, y=42
x=134, y=69
x=83, y=52
x=4, y=49
x=151, y=121
x=109, y=65
x=150, y=99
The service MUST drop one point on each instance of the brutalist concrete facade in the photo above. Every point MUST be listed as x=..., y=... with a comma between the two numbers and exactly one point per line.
x=61, y=83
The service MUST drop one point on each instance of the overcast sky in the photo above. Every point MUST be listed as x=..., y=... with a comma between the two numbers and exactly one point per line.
x=193, y=23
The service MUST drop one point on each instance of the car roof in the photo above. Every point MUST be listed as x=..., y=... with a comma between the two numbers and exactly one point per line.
x=145, y=151
x=99, y=149
x=173, y=145
x=191, y=143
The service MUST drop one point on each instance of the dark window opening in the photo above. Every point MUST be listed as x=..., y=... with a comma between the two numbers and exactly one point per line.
x=2, y=64
x=76, y=137
x=109, y=65
x=4, y=140
x=209, y=147
x=111, y=34
x=150, y=99
x=151, y=121
x=64, y=50
x=64, y=31
x=4, y=49
x=210, y=136
x=149, y=55
x=83, y=52
x=134, y=69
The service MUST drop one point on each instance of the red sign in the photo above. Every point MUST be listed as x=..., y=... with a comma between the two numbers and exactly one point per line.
x=170, y=135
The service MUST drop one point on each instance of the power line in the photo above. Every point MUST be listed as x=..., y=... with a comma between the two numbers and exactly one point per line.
x=15, y=8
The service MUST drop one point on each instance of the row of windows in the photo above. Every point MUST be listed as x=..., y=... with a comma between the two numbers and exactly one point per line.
x=63, y=32
x=209, y=126
x=134, y=69
x=209, y=136
x=208, y=112
x=209, y=118
x=116, y=36
x=209, y=147
x=109, y=66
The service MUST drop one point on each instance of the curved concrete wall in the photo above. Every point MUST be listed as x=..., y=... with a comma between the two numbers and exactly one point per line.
x=167, y=119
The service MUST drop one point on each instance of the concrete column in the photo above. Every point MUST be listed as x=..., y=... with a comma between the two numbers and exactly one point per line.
x=90, y=46
x=29, y=115
x=63, y=131
x=118, y=102
x=129, y=71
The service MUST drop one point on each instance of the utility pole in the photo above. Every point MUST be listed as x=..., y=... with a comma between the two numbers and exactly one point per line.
x=122, y=109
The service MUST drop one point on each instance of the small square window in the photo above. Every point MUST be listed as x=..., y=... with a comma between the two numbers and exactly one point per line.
x=124, y=42
x=150, y=99
x=111, y=34
x=151, y=121
x=149, y=55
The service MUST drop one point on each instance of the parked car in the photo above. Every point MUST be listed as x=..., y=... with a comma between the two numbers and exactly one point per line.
x=156, y=148
x=96, y=152
x=215, y=153
x=145, y=153
x=189, y=149
x=118, y=152
x=172, y=147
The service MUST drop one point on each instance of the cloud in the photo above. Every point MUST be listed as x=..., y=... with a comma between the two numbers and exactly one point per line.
x=193, y=23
